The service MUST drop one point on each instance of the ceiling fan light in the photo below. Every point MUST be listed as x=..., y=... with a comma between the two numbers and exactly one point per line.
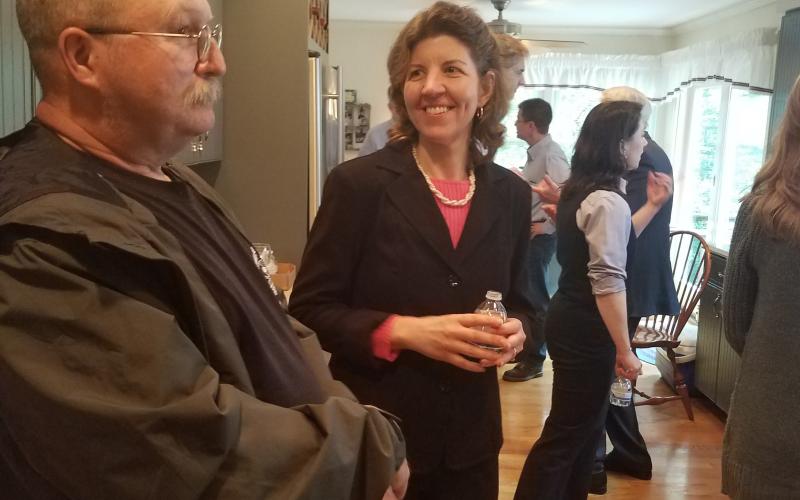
x=504, y=27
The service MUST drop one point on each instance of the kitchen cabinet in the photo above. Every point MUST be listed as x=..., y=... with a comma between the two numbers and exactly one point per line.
x=717, y=364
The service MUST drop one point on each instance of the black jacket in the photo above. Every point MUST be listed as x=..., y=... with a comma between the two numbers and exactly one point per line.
x=120, y=376
x=380, y=246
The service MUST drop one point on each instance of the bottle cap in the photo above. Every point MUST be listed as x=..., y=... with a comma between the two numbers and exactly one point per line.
x=493, y=295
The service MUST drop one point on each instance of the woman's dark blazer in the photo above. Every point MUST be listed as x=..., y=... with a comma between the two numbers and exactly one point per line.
x=380, y=246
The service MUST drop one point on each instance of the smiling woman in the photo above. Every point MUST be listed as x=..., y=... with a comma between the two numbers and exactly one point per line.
x=406, y=243
x=443, y=92
x=479, y=59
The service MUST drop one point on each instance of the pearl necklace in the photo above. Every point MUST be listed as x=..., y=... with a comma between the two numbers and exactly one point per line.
x=438, y=194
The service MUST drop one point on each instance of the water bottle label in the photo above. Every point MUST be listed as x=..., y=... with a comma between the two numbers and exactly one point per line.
x=620, y=393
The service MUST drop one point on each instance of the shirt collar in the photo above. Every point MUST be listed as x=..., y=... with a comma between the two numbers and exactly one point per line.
x=542, y=144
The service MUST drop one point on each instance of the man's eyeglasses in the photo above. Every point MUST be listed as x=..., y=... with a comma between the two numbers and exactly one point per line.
x=204, y=37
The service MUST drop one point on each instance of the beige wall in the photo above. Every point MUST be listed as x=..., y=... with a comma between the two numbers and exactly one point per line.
x=361, y=49
x=264, y=173
x=744, y=17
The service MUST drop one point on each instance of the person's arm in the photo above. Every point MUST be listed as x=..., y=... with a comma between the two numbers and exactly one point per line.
x=106, y=395
x=613, y=310
x=324, y=278
x=557, y=172
x=659, y=190
x=741, y=282
x=452, y=339
x=548, y=190
x=604, y=218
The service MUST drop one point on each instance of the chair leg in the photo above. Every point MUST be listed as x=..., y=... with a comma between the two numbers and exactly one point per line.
x=680, y=385
x=686, y=400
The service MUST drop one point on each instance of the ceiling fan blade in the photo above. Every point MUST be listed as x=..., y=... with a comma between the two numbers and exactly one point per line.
x=502, y=25
x=556, y=44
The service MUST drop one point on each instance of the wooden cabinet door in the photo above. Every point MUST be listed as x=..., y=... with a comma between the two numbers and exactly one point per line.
x=709, y=333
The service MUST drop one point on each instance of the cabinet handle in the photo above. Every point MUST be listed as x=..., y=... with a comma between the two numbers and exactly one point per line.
x=716, y=304
x=721, y=275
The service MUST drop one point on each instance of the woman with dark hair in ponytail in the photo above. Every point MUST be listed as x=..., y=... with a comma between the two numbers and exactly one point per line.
x=587, y=323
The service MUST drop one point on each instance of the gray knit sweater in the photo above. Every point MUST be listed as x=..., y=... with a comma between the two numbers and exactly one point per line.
x=761, y=449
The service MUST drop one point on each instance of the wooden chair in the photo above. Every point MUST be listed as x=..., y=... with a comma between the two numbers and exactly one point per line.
x=690, y=256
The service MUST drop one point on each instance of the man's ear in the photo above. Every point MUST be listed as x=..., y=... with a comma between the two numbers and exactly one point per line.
x=78, y=51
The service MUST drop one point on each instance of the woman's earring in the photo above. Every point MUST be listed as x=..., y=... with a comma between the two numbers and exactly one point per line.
x=479, y=113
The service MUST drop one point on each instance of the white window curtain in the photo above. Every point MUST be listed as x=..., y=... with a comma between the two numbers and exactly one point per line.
x=745, y=59
x=594, y=71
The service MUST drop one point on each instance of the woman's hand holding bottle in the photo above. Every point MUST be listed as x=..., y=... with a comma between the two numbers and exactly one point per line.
x=453, y=339
x=627, y=364
x=513, y=332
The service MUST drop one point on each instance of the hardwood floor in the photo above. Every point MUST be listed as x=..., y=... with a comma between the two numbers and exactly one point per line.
x=686, y=454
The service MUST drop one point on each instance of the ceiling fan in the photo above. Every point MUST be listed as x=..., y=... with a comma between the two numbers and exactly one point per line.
x=501, y=25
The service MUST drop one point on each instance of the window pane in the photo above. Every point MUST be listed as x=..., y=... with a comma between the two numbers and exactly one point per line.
x=748, y=116
x=702, y=157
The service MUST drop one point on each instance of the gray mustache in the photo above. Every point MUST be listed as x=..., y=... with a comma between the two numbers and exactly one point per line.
x=204, y=92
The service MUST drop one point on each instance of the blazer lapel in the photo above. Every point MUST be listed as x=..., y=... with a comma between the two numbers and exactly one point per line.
x=413, y=199
x=485, y=209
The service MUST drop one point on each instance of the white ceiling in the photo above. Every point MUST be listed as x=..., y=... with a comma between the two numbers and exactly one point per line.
x=553, y=13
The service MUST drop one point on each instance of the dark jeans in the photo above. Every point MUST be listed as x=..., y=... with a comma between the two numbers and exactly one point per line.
x=479, y=482
x=540, y=253
x=622, y=427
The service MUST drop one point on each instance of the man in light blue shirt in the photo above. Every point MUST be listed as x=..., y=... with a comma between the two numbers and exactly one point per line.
x=378, y=135
x=545, y=157
x=376, y=138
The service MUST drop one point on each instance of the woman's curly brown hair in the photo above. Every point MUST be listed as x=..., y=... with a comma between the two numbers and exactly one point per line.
x=463, y=24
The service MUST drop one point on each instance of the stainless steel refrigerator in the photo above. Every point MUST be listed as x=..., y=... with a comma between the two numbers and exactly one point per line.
x=325, y=127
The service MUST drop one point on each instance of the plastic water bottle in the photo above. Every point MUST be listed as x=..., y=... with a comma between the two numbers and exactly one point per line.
x=621, y=392
x=268, y=265
x=492, y=307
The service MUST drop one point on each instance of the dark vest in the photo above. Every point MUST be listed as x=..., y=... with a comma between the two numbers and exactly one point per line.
x=573, y=254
